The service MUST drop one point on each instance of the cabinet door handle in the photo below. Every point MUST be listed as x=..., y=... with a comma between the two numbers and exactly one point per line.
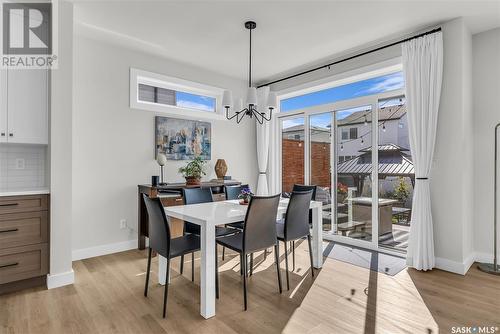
x=2, y=134
x=9, y=230
x=9, y=204
x=9, y=265
x=11, y=135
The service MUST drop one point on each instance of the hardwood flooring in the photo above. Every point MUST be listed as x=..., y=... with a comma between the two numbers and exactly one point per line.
x=107, y=297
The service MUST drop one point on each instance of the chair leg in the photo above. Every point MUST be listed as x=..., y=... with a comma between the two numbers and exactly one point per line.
x=147, y=273
x=182, y=263
x=310, y=254
x=217, y=272
x=286, y=266
x=165, y=296
x=241, y=264
x=293, y=255
x=245, y=281
x=192, y=267
x=223, y=252
x=277, y=260
x=251, y=264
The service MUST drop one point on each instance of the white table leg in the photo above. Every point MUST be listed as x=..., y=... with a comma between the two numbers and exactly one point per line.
x=317, y=236
x=207, y=282
x=162, y=270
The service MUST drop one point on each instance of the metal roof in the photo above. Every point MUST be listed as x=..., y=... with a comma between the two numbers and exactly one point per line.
x=391, y=163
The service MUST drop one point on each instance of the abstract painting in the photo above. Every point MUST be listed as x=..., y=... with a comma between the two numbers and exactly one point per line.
x=181, y=139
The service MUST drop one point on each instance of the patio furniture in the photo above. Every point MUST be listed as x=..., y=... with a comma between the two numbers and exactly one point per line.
x=349, y=226
x=400, y=212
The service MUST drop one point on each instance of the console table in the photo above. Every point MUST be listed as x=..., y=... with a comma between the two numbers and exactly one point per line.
x=170, y=195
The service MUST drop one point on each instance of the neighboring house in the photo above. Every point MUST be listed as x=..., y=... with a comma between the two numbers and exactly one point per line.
x=353, y=134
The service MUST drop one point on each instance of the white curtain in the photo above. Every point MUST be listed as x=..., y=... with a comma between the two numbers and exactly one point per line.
x=262, y=133
x=423, y=71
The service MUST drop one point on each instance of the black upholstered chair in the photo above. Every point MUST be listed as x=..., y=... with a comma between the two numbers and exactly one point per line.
x=196, y=196
x=232, y=193
x=296, y=225
x=161, y=242
x=259, y=233
x=302, y=187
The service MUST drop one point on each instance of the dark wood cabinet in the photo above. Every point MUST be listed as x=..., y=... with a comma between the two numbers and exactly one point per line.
x=24, y=241
x=170, y=195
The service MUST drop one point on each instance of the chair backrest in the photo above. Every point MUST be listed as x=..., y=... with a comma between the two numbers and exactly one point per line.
x=159, y=230
x=197, y=195
x=297, y=215
x=260, y=223
x=302, y=187
x=232, y=192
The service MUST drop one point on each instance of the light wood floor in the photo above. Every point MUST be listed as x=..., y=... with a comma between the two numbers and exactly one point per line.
x=108, y=298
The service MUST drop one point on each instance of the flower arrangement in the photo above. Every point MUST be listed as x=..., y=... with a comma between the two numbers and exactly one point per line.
x=245, y=195
x=341, y=188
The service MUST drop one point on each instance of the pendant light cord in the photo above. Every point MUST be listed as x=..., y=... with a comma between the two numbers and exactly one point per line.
x=250, y=62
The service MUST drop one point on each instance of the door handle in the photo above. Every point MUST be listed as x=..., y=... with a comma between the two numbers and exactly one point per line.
x=2, y=134
x=9, y=204
x=11, y=135
x=9, y=265
x=9, y=230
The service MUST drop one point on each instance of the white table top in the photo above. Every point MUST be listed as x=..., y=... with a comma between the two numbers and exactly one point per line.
x=220, y=213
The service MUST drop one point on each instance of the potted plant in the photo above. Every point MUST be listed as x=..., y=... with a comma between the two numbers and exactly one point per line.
x=193, y=171
x=245, y=196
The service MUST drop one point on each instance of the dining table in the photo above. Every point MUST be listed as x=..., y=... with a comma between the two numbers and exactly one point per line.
x=212, y=214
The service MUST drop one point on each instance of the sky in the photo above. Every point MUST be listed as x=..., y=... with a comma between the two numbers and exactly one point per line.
x=193, y=101
x=371, y=86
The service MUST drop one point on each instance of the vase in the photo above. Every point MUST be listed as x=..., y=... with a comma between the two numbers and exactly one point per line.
x=193, y=181
x=220, y=168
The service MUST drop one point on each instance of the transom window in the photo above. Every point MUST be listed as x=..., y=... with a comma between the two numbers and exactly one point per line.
x=179, y=97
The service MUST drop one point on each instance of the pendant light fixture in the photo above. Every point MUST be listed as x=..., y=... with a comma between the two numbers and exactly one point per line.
x=250, y=109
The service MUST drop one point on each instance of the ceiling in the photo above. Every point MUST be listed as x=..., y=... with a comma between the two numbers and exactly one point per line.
x=290, y=35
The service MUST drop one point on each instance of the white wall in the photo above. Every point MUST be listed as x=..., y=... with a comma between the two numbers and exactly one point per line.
x=486, y=90
x=61, y=272
x=452, y=169
x=113, y=145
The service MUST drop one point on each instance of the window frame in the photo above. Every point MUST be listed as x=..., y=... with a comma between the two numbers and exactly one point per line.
x=163, y=81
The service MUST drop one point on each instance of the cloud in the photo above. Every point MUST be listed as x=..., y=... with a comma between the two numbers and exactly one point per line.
x=194, y=105
x=389, y=82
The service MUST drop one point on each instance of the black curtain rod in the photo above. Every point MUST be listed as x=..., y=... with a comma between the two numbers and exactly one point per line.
x=352, y=57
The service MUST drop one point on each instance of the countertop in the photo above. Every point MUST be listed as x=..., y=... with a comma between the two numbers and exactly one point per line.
x=24, y=192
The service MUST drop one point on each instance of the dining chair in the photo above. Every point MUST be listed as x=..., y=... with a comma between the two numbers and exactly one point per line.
x=303, y=187
x=196, y=196
x=232, y=193
x=160, y=241
x=259, y=233
x=296, y=225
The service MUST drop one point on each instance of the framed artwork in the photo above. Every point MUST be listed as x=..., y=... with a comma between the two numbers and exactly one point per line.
x=181, y=139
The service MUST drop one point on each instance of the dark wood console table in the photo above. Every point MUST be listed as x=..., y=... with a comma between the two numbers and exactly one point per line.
x=170, y=195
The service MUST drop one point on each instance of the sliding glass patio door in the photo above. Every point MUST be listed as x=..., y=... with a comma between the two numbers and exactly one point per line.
x=331, y=146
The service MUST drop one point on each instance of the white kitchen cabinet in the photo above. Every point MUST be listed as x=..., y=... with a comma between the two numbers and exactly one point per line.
x=27, y=106
x=3, y=106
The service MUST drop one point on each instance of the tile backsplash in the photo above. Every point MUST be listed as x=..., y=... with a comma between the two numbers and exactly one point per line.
x=23, y=167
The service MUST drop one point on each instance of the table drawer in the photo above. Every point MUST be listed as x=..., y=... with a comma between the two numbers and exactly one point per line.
x=19, y=263
x=14, y=204
x=26, y=228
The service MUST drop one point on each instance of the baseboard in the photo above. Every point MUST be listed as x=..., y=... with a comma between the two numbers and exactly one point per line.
x=85, y=253
x=484, y=257
x=61, y=279
x=462, y=268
